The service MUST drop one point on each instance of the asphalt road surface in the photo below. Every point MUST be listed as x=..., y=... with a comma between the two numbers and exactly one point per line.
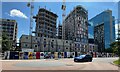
x=60, y=64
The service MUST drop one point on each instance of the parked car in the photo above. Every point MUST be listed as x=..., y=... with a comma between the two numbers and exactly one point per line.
x=83, y=58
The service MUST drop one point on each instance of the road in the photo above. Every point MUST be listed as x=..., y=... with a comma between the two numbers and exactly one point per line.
x=60, y=64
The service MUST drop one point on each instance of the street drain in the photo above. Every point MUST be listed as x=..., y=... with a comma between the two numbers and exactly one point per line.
x=69, y=64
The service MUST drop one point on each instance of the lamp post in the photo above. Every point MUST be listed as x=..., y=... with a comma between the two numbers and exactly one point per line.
x=118, y=38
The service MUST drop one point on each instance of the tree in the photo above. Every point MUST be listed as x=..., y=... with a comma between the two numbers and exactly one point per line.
x=109, y=50
x=6, y=43
x=115, y=47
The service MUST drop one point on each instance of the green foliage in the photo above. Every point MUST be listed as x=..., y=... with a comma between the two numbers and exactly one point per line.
x=109, y=50
x=117, y=62
x=6, y=43
x=115, y=46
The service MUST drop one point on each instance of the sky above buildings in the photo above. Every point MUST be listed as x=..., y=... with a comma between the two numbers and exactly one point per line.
x=21, y=13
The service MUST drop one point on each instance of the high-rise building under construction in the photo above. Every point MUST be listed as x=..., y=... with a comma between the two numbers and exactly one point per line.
x=45, y=23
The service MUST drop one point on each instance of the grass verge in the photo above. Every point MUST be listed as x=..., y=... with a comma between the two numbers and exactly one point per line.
x=117, y=62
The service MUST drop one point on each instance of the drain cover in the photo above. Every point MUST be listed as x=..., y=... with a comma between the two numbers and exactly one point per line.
x=69, y=64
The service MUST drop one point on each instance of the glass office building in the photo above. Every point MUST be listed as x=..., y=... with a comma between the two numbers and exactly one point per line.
x=103, y=29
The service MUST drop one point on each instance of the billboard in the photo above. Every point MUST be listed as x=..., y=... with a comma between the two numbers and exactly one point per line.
x=34, y=55
x=37, y=55
x=30, y=55
x=46, y=55
x=72, y=54
x=56, y=55
x=25, y=55
x=5, y=55
x=41, y=55
x=62, y=54
x=52, y=55
x=49, y=54
x=11, y=55
x=65, y=54
x=16, y=55
x=8, y=55
x=68, y=54
x=59, y=55
x=20, y=55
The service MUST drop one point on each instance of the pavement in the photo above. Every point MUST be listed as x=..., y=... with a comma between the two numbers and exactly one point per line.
x=60, y=64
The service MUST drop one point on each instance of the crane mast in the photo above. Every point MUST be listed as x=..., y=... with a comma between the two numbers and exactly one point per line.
x=63, y=18
x=63, y=22
x=30, y=4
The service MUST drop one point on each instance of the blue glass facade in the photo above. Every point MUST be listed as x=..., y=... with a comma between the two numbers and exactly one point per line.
x=119, y=10
x=107, y=19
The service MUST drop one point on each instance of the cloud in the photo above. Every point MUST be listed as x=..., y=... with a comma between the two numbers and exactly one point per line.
x=17, y=13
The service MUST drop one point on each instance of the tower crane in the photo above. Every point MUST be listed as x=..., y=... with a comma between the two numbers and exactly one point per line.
x=63, y=17
x=63, y=24
x=30, y=4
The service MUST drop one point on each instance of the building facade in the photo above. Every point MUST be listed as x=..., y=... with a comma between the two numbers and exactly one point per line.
x=9, y=27
x=103, y=29
x=92, y=46
x=45, y=23
x=118, y=38
x=76, y=28
x=59, y=31
x=42, y=44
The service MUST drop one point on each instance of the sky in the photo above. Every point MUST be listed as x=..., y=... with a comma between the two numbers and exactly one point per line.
x=21, y=13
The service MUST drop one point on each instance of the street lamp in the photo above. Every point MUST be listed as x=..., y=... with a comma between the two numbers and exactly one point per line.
x=118, y=38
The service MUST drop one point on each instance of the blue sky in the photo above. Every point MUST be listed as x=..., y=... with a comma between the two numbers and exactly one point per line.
x=23, y=20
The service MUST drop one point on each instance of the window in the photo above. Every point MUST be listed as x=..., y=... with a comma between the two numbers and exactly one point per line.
x=52, y=44
x=44, y=45
x=75, y=45
x=66, y=41
x=35, y=45
x=66, y=48
x=41, y=35
x=26, y=45
x=26, y=37
x=78, y=45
